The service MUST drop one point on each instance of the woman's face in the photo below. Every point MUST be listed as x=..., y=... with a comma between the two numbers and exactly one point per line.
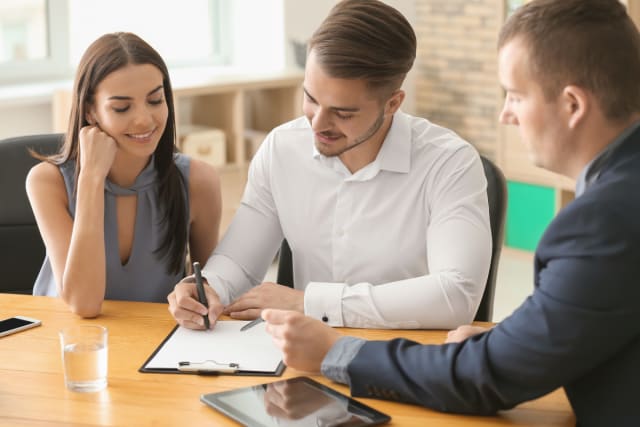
x=130, y=106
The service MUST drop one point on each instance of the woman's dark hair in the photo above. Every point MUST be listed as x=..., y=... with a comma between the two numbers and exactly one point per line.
x=107, y=54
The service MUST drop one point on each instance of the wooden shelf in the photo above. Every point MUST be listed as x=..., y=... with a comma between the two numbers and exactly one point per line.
x=234, y=103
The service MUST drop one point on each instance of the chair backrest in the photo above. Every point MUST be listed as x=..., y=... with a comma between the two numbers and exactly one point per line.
x=285, y=265
x=497, y=195
x=21, y=247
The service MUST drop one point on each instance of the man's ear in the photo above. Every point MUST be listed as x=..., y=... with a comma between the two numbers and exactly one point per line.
x=576, y=103
x=394, y=103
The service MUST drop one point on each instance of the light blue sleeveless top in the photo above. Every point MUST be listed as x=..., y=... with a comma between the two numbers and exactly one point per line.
x=144, y=277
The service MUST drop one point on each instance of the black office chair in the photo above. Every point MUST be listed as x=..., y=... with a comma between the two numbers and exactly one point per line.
x=285, y=265
x=21, y=247
x=497, y=195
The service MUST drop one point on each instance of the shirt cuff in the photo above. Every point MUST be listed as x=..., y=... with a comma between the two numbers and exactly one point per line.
x=323, y=301
x=335, y=363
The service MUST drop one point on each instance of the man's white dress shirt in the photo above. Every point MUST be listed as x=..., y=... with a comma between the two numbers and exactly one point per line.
x=404, y=242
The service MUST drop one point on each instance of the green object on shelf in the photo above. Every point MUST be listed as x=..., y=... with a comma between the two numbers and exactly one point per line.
x=530, y=209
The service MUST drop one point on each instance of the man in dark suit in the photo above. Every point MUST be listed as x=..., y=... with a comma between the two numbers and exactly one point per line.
x=571, y=72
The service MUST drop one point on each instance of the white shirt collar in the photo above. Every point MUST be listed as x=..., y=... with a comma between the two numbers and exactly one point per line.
x=394, y=154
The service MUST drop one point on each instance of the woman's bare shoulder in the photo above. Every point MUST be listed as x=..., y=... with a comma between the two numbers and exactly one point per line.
x=44, y=175
x=203, y=176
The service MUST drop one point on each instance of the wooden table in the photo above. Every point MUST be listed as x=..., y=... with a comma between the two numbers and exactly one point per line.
x=32, y=390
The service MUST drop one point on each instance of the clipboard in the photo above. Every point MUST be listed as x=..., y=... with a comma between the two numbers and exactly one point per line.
x=223, y=350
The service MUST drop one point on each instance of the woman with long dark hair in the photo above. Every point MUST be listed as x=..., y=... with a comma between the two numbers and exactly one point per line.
x=117, y=207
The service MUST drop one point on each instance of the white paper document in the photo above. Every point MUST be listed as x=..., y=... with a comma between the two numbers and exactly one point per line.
x=225, y=345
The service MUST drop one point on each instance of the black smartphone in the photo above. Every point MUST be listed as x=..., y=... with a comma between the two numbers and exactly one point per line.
x=299, y=402
x=17, y=324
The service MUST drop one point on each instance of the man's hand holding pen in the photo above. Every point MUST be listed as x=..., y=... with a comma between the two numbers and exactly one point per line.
x=186, y=308
x=193, y=308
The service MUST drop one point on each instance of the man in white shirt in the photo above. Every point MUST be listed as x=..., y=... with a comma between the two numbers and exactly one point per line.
x=386, y=213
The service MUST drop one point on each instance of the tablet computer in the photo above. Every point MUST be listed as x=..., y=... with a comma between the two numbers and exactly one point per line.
x=297, y=402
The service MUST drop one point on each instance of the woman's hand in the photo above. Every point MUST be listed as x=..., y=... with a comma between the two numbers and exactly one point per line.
x=97, y=151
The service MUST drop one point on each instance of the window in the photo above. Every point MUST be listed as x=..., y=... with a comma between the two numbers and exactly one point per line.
x=184, y=33
x=44, y=39
x=27, y=48
x=23, y=31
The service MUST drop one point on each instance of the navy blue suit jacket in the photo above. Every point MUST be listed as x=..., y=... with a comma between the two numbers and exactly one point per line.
x=580, y=329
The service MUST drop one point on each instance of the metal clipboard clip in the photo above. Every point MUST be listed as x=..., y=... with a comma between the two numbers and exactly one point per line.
x=208, y=367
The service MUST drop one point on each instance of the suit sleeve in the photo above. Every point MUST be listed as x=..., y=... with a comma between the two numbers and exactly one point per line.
x=584, y=310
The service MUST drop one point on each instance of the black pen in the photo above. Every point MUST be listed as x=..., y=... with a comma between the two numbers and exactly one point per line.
x=201, y=295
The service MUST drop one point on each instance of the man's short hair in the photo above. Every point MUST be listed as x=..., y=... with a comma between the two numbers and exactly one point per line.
x=592, y=44
x=365, y=39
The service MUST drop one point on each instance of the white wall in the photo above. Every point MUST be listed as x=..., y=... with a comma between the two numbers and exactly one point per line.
x=301, y=18
x=408, y=9
x=25, y=118
x=258, y=36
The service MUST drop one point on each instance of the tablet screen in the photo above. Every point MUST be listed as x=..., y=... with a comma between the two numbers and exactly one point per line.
x=295, y=402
